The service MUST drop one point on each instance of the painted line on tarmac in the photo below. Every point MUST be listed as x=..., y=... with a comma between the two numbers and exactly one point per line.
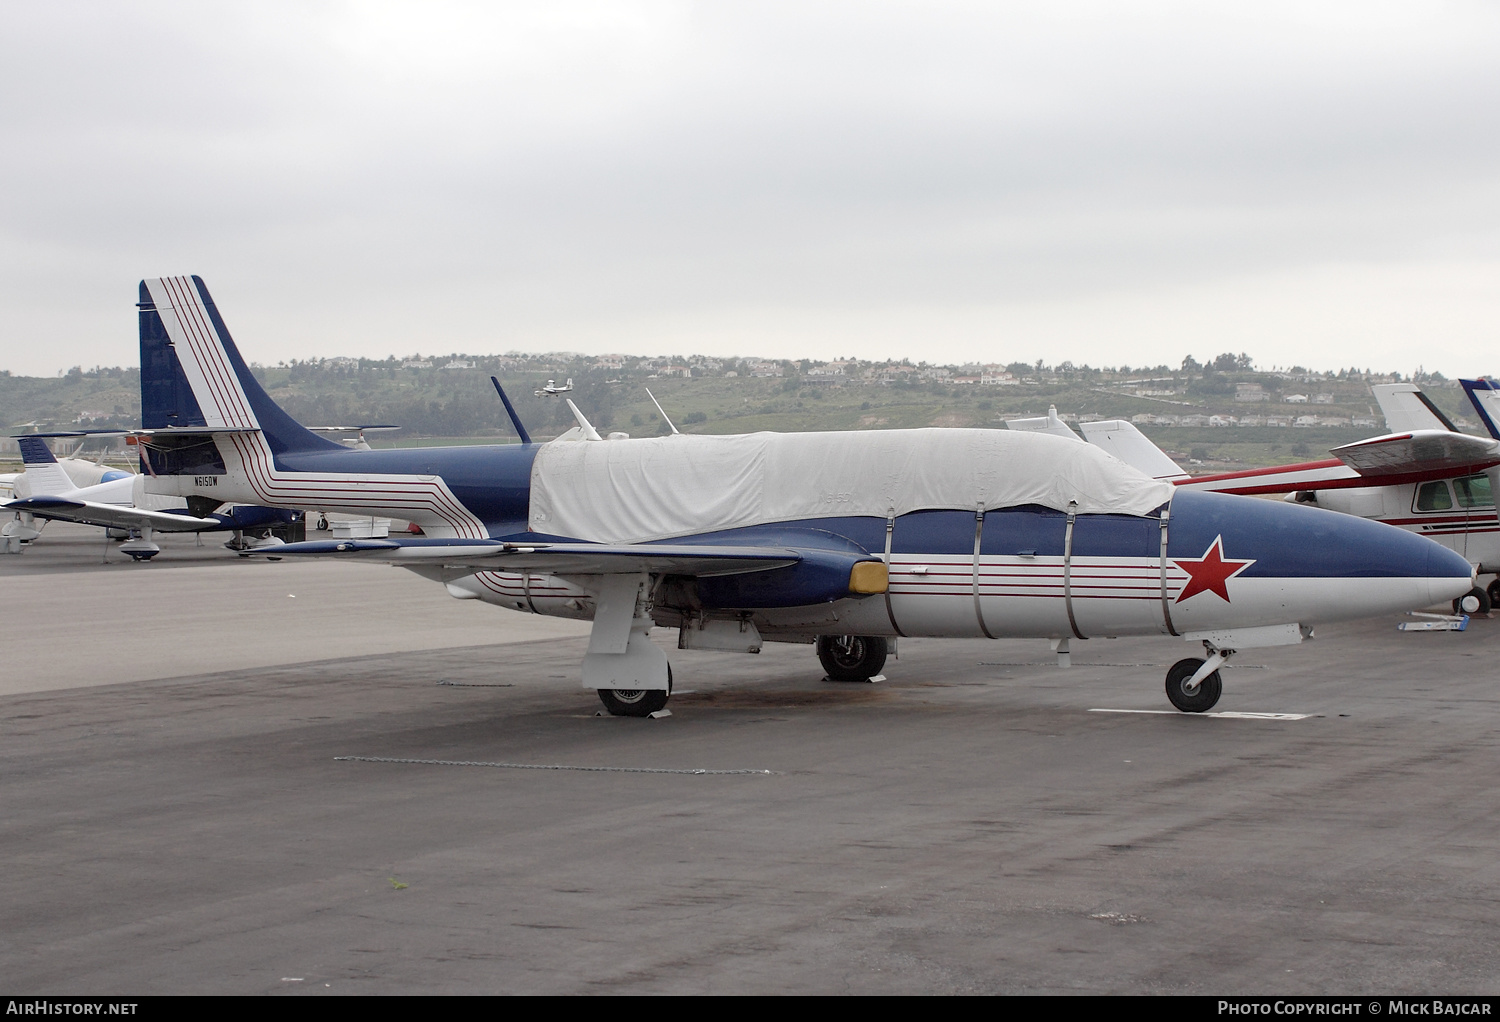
x=1226, y=714
x=1053, y=663
x=544, y=766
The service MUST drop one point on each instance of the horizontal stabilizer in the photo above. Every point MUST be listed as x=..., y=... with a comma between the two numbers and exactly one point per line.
x=1048, y=423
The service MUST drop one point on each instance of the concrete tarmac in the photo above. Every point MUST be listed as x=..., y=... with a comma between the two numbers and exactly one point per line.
x=458, y=819
x=200, y=609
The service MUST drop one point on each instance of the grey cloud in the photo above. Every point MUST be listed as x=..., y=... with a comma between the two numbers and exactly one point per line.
x=450, y=176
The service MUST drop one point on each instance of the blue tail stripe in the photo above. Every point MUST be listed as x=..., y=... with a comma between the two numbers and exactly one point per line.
x=167, y=396
x=284, y=433
x=1470, y=386
x=34, y=451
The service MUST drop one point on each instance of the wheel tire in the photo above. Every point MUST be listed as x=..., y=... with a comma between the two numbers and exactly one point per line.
x=1209, y=689
x=851, y=657
x=1480, y=595
x=1494, y=593
x=641, y=702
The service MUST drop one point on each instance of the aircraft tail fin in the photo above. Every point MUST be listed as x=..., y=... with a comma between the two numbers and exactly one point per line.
x=1484, y=395
x=1406, y=409
x=1133, y=447
x=44, y=476
x=193, y=375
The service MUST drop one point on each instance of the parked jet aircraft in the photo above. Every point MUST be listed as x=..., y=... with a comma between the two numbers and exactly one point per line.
x=846, y=539
x=1424, y=476
x=119, y=503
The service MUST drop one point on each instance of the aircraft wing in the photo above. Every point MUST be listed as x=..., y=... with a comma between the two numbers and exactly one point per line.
x=1432, y=453
x=112, y=516
x=698, y=560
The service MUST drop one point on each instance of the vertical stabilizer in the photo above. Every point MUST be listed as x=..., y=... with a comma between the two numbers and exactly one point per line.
x=1133, y=447
x=192, y=373
x=44, y=475
x=1484, y=395
x=1406, y=409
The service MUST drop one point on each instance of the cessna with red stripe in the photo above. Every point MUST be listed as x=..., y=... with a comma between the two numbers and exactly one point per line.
x=1425, y=476
x=846, y=539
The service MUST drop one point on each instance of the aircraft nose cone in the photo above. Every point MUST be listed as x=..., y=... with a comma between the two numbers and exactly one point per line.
x=1321, y=565
x=1449, y=575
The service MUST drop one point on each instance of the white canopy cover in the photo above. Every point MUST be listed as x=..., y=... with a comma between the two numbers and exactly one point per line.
x=630, y=491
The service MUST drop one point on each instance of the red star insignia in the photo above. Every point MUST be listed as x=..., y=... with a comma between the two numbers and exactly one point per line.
x=1207, y=574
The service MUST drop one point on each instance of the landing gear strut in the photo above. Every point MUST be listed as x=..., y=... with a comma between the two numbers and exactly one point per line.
x=1194, y=685
x=851, y=657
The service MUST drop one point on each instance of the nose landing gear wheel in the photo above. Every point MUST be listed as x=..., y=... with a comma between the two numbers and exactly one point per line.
x=851, y=657
x=1475, y=601
x=635, y=702
x=1201, y=699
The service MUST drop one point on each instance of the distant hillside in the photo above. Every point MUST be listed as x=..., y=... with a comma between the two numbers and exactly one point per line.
x=451, y=397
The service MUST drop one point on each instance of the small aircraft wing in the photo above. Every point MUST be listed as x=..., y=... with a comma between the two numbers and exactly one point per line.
x=1432, y=453
x=110, y=516
x=562, y=558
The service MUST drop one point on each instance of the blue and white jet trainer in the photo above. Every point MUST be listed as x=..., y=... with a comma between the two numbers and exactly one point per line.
x=846, y=539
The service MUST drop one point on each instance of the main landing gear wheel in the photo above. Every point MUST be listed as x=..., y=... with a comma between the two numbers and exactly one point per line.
x=1203, y=697
x=635, y=702
x=851, y=657
x=1476, y=600
x=1494, y=592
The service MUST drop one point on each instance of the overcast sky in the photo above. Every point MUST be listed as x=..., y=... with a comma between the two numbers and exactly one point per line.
x=1111, y=183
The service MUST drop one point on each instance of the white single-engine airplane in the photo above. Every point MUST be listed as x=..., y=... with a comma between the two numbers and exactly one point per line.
x=553, y=390
x=81, y=471
x=119, y=502
x=846, y=539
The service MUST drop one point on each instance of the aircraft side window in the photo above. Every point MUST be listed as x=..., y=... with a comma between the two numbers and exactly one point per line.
x=1434, y=497
x=1474, y=491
